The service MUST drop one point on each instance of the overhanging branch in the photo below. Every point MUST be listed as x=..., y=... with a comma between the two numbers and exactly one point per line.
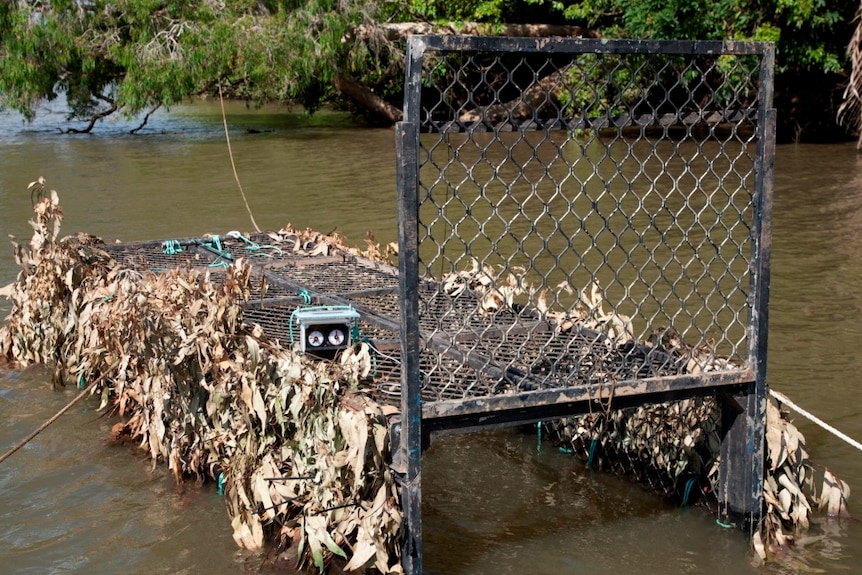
x=112, y=107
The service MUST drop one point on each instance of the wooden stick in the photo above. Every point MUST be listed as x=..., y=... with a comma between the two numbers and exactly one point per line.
x=56, y=416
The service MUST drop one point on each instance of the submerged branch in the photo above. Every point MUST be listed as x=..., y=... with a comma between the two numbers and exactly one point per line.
x=146, y=119
x=83, y=393
x=112, y=107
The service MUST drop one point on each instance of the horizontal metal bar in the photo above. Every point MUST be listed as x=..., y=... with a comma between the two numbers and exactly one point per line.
x=451, y=43
x=500, y=419
x=544, y=404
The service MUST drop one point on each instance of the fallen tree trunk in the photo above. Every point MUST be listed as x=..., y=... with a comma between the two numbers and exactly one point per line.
x=393, y=34
x=543, y=93
x=365, y=98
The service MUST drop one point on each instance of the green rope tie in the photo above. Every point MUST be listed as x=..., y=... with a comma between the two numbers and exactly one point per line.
x=214, y=245
x=539, y=437
x=306, y=297
x=373, y=353
x=255, y=249
x=592, y=455
x=172, y=247
x=688, y=485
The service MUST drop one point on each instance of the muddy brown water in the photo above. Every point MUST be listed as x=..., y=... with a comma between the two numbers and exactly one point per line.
x=71, y=502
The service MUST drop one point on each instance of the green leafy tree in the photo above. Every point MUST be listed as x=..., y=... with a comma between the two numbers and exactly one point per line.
x=131, y=56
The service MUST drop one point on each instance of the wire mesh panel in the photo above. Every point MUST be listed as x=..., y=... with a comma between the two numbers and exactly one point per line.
x=588, y=214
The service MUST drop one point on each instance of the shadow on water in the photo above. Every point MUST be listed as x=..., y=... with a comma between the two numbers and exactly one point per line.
x=494, y=503
x=72, y=503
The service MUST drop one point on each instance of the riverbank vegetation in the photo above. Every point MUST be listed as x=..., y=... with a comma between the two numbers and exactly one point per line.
x=134, y=56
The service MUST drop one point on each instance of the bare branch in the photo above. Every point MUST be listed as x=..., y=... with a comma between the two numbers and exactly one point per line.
x=112, y=107
x=146, y=118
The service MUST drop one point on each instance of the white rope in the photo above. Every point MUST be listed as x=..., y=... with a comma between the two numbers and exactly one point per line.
x=785, y=400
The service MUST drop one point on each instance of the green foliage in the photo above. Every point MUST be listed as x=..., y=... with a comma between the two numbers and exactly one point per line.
x=809, y=34
x=142, y=53
x=598, y=85
x=136, y=54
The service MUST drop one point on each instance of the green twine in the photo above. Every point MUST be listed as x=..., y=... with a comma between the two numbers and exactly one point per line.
x=720, y=523
x=539, y=437
x=593, y=444
x=254, y=248
x=214, y=245
x=306, y=297
x=372, y=353
x=172, y=247
x=220, y=488
x=82, y=383
x=566, y=450
x=688, y=486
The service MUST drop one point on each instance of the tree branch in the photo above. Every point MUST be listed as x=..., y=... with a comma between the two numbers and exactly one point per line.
x=146, y=119
x=543, y=93
x=365, y=98
x=96, y=117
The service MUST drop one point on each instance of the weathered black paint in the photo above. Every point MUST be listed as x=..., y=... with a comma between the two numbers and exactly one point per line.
x=742, y=388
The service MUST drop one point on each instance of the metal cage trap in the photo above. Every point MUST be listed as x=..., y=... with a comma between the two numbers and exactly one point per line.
x=580, y=221
x=584, y=218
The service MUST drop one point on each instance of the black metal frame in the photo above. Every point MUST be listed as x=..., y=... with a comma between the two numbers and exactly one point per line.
x=743, y=387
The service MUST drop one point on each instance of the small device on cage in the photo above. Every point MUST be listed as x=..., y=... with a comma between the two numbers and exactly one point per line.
x=325, y=330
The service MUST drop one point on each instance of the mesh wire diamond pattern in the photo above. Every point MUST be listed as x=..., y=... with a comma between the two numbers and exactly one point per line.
x=586, y=217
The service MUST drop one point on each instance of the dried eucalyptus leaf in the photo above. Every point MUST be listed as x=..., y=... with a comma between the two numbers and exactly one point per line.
x=757, y=543
x=259, y=406
x=193, y=388
x=774, y=443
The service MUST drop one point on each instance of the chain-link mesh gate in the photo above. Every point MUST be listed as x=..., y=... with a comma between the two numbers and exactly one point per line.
x=583, y=219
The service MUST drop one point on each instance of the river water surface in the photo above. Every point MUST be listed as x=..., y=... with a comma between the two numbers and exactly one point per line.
x=71, y=502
